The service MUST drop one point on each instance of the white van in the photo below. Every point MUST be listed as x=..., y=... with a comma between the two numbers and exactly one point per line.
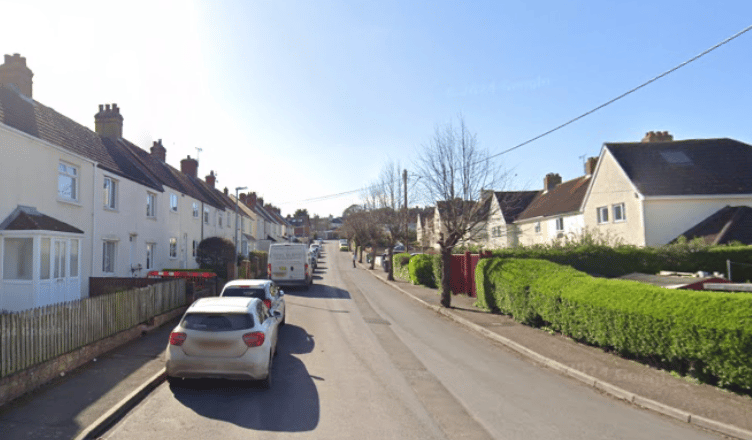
x=289, y=265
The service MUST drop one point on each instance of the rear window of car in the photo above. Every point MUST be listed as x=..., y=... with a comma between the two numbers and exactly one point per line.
x=248, y=292
x=216, y=322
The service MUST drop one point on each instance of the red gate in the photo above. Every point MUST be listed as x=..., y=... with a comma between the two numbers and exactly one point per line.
x=462, y=269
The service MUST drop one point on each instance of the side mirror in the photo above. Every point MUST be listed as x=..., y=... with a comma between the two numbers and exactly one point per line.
x=281, y=292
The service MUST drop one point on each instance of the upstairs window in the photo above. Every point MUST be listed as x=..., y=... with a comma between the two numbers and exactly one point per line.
x=110, y=193
x=173, y=202
x=67, y=182
x=560, y=224
x=537, y=227
x=206, y=215
x=602, y=214
x=151, y=202
x=195, y=210
x=619, y=213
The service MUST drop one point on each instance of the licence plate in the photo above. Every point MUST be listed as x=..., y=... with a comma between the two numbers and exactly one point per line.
x=279, y=274
x=283, y=268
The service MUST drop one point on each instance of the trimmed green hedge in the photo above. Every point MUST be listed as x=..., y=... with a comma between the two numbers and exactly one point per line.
x=705, y=334
x=615, y=261
x=421, y=270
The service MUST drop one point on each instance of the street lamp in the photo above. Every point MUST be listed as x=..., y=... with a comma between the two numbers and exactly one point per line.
x=237, y=190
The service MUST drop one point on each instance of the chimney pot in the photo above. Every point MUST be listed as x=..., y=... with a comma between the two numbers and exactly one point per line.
x=550, y=181
x=107, y=123
x=189, y=167
x=14, y=71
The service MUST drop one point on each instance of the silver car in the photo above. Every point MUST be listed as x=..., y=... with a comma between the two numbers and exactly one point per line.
x=230, y=338
x=265, y=290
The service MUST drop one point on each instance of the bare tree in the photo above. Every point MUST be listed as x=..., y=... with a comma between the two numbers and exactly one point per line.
x=454, y=174
x=384, y=198
x=361, y=228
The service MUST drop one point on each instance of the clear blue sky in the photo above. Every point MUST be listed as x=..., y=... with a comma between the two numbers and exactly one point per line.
x=303, y=99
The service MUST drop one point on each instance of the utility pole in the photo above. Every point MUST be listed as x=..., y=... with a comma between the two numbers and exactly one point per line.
x=407, y=213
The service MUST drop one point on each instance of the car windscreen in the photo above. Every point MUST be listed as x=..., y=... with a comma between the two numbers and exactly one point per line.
x=248, y=292
x=218, y=322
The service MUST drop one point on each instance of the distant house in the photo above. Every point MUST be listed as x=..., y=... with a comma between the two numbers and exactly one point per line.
x=555, y=213
x=651, y=192
x=505, y=208
x=425, y=230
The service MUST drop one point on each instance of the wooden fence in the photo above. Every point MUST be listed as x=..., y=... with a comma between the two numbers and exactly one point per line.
x=34, y=336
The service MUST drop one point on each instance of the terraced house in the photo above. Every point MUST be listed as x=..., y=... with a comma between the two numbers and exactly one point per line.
x=80, y=203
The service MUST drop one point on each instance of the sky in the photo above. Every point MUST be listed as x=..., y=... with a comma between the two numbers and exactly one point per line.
x=306, y=102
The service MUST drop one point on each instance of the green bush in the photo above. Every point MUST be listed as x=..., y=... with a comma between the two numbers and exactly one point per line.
x=705, y=334
x=436, y=267
x=400, y=263
x=421, y=270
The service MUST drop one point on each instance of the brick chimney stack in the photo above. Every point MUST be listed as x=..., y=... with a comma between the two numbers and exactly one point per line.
x=108, y=122
x=158, y=151
x=590, y=165
x=189, y=167
x=250, y=200
x=658, y=136
x=211, y=179
x=550, y=181
x=14, y=71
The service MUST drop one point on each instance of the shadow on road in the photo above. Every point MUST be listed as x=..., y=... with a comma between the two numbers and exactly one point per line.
x=291, y=405
x=318, y=291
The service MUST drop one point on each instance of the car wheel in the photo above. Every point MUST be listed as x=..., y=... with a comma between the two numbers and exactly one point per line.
x=267, y=383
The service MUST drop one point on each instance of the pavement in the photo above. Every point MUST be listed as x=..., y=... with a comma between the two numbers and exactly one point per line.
x=87, y=401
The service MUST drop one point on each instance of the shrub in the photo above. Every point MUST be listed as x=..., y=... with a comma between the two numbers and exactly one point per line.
x=216, y=253
x=400, y=262
x=708, y=334
x=421, y=270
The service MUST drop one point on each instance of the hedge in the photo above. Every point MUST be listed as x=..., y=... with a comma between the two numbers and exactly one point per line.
x=421, y=270
x=705, y=334
x=615, y=261
x=400, y=264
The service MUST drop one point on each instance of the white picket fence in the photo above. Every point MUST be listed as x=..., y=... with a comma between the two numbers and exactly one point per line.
x=34, y=336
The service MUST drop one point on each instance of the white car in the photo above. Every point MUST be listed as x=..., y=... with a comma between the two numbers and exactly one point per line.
x=222, y=337
x=266, y=290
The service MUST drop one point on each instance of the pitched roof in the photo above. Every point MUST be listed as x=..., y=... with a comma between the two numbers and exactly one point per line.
x=563, y=198
x=689, y=167
x=25, y=218
x=31, y=117
x=513, y=203
x=731, y=223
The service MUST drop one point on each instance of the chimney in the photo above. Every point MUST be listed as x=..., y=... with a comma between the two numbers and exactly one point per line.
x=227, y=191
x=14, y=71
x=550, y=181
x=590, y=165
x=251, y=200
x=159, y=152
x=260, y=201
x=108, y=122
x=189, y=167
x=211, y=179
x=658, y=136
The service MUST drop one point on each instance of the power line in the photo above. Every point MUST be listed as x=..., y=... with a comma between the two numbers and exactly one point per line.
x=571, y=121
x=738, y=34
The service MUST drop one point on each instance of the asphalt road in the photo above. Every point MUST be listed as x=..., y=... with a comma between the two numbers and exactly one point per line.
x=360, y=360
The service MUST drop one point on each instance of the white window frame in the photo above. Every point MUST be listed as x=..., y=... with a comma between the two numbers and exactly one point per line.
x=602, y=214
x=150, y=253
x=206, y=215
x=559, y=224
x=173, y=248
x=151, y=205
x=195, y=210
x=69, y=172
x=173, y=202
x=219, y=219
x=622, y=217
x=109, y=195
x=537, y=227
x=22, y=262
x=109, y=256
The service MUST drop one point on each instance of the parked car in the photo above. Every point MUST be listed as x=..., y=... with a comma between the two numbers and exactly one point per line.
x=344, y=245
x=223, y=337
x=266, y=290
x=399, y=248
x=289, y=265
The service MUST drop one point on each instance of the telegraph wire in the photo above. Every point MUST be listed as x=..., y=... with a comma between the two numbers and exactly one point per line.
x=571, y=121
